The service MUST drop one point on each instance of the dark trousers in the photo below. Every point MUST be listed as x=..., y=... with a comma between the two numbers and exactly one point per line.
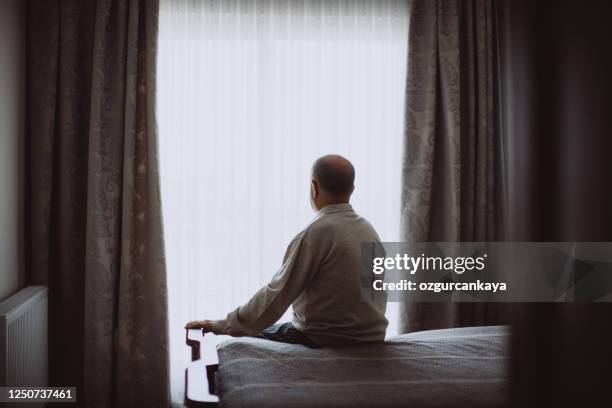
x=286, y=333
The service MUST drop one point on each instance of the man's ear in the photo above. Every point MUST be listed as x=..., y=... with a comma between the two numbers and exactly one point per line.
x=314, y=189
x=353, y=189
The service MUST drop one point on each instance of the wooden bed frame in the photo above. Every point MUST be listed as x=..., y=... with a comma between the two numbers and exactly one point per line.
x=200, y=375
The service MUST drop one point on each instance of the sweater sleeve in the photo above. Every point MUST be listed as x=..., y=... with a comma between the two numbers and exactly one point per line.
x=271, y=301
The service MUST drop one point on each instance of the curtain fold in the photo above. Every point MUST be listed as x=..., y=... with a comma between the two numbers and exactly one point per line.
x=451, y=185
x=555, y=64
x=95, y=227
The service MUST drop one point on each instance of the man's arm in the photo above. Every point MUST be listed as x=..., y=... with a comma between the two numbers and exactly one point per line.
x=271, y=301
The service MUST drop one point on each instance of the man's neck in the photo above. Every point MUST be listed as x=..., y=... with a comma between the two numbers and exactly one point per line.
x=332, y=202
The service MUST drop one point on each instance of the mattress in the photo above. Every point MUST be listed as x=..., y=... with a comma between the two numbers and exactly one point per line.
x=461, y=367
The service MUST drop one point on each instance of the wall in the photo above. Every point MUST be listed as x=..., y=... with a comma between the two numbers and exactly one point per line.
x=12, y=65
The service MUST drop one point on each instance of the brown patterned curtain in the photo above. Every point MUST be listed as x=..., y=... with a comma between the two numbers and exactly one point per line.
x=94, y=213
x=451, y=184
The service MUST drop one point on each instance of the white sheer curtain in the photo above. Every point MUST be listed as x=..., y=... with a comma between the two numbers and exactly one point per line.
x=250, y=94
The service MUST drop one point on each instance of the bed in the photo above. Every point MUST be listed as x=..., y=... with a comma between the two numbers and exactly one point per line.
x=436, y=368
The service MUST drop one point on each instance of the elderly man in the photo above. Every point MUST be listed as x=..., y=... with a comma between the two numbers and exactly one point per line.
x=320, y=276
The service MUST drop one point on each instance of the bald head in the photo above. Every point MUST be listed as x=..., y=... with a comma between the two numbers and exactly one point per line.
x=334, y=174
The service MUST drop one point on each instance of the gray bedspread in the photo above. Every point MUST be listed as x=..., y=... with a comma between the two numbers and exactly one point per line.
x=462, y=367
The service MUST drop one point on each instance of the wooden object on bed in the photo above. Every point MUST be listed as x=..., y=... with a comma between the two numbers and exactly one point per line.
x=200, y=374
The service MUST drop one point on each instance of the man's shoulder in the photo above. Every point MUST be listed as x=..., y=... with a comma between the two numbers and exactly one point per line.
x=320, y=224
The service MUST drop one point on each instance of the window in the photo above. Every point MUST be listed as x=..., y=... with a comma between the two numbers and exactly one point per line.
x=250, y=93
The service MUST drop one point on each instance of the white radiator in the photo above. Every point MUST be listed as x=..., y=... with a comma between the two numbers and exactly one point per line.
x=23, y=338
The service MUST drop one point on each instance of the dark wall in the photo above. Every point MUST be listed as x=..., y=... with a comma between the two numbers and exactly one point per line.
x=12, y=110
x=556, y=98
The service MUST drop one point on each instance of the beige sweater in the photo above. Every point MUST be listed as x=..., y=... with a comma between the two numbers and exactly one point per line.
x=320, y=277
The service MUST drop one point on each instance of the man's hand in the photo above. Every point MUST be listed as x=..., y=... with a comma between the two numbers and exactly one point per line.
x=205, y=325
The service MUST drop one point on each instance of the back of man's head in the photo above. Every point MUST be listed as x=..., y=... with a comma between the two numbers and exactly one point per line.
x=335, y=175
